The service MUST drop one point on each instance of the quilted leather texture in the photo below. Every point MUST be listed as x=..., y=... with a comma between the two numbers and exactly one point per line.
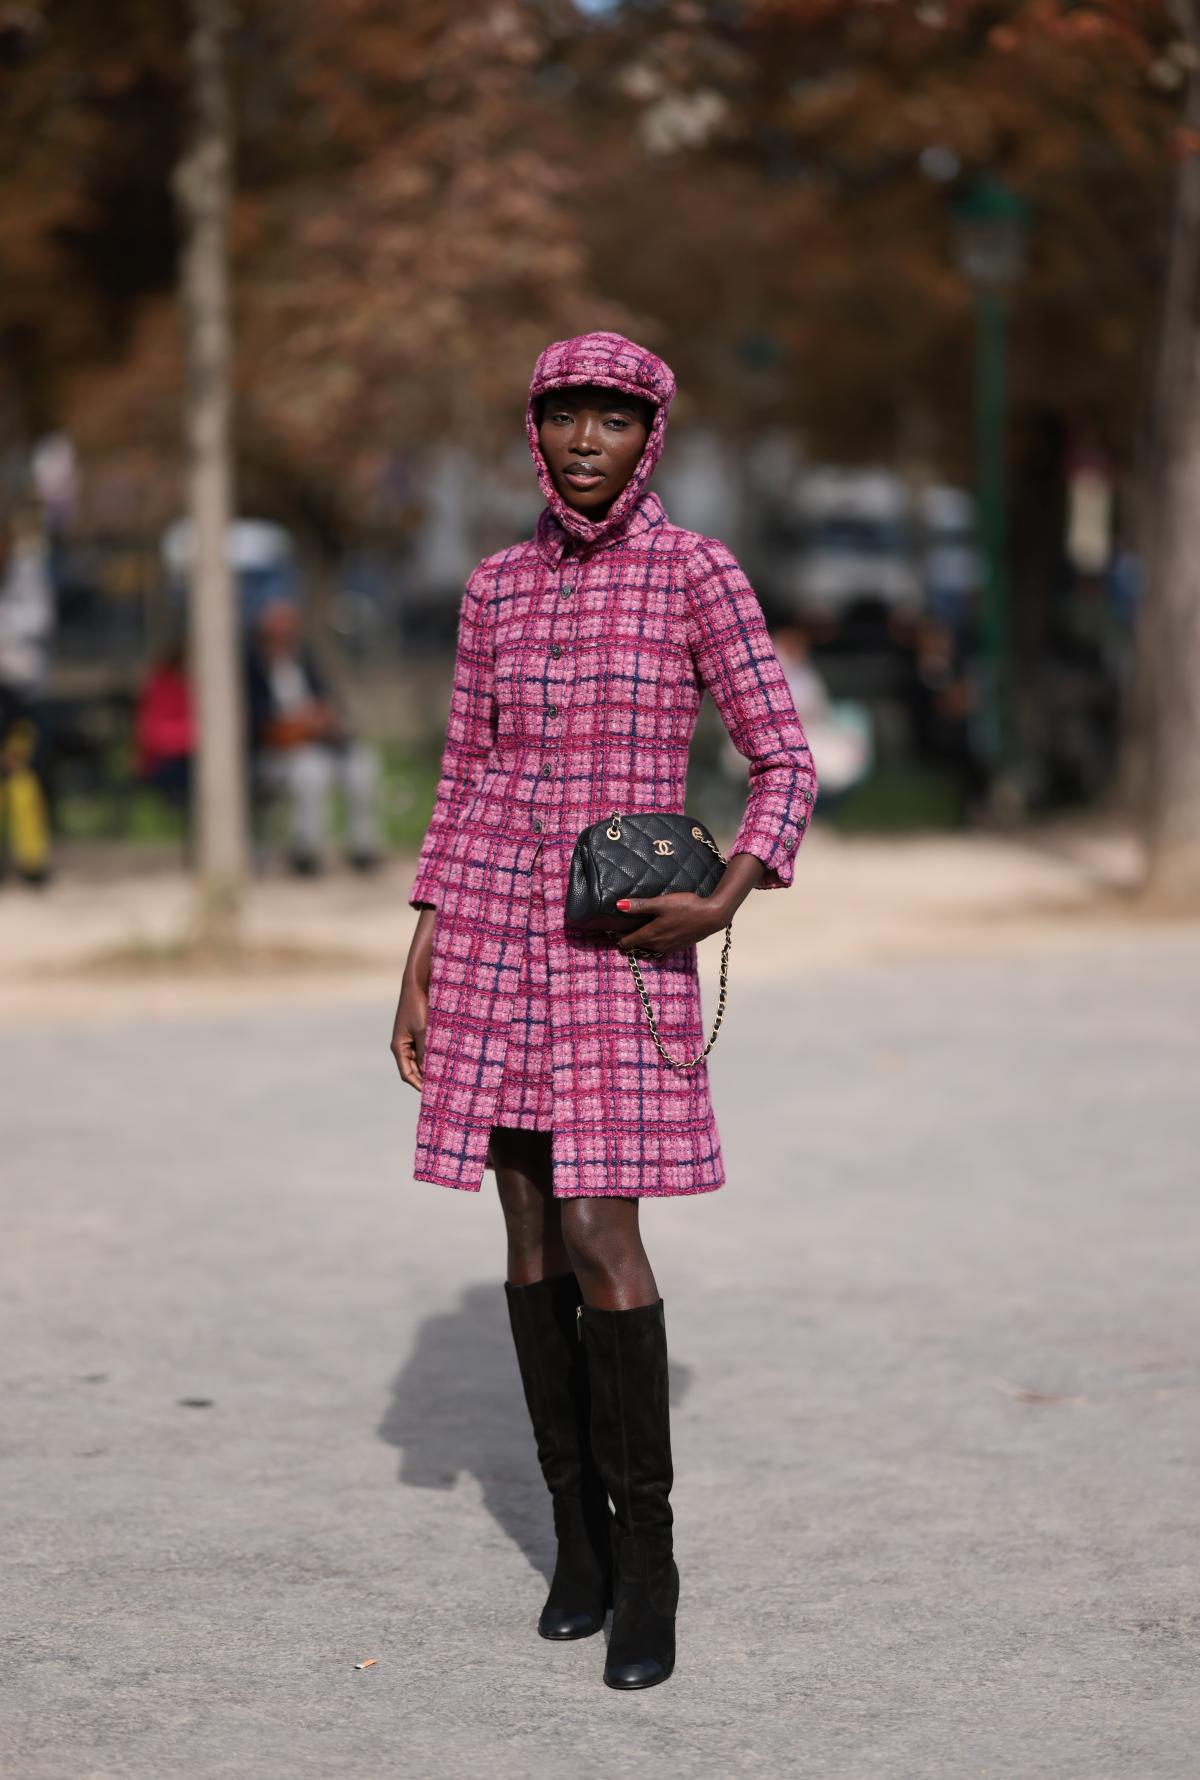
x=604, y=870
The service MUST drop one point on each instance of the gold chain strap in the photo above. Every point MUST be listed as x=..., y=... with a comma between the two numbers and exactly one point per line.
x=614, y=833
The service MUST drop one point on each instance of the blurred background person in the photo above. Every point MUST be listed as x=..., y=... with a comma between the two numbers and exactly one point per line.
x=165, y=728
x=838, y=731
x=303, y=747
x=943, y=703
x=26, y=627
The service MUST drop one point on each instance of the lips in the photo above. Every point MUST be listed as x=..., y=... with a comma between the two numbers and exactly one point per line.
x=580, y=476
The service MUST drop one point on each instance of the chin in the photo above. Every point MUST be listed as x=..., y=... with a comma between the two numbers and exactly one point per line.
x=585, y=503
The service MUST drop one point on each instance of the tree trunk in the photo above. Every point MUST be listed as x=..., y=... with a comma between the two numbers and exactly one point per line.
x=1168, y=688
x=202, y=189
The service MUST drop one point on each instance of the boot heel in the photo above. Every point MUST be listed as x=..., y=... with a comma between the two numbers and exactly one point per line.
x=581, y=1592
x=641, y=1650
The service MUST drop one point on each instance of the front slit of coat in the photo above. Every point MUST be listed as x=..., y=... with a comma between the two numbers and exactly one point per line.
x=521, y=927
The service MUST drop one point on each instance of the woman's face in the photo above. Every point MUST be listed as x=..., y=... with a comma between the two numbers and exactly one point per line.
x=592, y=439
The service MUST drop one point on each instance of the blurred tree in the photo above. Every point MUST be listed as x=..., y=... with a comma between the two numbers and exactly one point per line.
x=1167, y=703
x=402, y=242
x=426, y=193
x=813, y=206
x=407, y=260
x=839, y=107
x=89, y=131
x=202, y=184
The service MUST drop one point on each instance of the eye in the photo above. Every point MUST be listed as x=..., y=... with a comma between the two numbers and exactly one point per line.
x=617, y=420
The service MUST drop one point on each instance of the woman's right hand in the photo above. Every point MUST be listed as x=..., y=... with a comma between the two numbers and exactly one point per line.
x=412, y=1010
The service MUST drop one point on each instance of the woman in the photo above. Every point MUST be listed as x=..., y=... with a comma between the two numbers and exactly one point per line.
x=582, y=659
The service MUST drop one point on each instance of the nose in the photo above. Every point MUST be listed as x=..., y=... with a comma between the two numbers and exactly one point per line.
x=585, y=439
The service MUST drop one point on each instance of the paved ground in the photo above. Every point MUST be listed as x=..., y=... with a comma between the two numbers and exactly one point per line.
x=937, y=1369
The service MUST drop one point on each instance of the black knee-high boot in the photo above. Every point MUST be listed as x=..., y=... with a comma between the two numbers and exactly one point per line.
x=631, y=1438
x=553, y=1364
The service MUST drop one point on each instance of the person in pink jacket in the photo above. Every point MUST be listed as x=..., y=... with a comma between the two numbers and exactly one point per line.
x=583, y=656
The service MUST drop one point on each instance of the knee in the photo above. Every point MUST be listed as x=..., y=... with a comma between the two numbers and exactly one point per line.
x=523, y=1206
x=310, y=770
x=360, y=769
x=597, y=1234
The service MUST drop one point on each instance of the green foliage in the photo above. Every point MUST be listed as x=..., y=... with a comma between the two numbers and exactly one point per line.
x=899, y=799
x=133, y=816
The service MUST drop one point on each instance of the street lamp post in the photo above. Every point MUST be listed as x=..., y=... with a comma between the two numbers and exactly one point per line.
x=992, y=223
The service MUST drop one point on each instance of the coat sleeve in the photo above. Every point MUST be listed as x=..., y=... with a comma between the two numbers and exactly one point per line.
x=736, y=661
x=470, y=734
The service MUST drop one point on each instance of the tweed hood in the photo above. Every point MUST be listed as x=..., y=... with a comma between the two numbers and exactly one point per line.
x=612, y=362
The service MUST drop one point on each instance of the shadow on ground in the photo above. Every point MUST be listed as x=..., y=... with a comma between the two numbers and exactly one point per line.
x=456, y=1410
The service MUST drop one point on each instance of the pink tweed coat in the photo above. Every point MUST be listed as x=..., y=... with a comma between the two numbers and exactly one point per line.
x=583, y=655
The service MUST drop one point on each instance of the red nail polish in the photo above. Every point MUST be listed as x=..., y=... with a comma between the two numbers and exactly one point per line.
x=624, y=903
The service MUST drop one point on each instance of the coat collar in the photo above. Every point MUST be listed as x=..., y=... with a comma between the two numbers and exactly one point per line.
x=552, y=542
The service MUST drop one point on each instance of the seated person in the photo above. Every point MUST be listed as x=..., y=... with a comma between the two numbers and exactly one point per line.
x=165, y=733
x=24, y=820
x=26, y=629
x=302, y=745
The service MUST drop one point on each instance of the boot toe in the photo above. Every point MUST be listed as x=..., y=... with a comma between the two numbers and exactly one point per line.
x=559, y=1622
x=647, y=1673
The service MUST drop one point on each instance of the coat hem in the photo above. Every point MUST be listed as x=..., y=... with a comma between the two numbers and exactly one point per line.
x=462, y=1186
x=438, y=1180
x=646, y=1193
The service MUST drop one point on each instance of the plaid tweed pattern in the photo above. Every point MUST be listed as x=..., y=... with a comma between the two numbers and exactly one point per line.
x=527, y=1089
x=583, y=655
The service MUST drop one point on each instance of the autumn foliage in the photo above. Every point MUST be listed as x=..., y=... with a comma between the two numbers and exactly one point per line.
x=426, y=193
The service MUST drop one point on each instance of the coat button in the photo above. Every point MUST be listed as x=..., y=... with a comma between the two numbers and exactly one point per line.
x=552, y=710
x=547, y=772
x=790, y=842
x=567, y=591
x=556, y=650
x=536, y=825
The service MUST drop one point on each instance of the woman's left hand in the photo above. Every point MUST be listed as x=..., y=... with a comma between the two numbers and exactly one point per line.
x=680, y=918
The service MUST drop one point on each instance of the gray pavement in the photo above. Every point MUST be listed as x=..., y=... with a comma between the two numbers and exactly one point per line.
x=937, y=1351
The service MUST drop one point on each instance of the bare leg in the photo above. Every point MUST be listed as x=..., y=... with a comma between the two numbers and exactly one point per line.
x=604, y=1245
x=531, y=1212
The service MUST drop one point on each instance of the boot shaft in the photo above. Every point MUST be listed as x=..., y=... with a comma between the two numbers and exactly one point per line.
x=554, y=1377
x=631, y=1417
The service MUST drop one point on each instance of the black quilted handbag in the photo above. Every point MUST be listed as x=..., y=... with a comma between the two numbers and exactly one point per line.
x=650, y=854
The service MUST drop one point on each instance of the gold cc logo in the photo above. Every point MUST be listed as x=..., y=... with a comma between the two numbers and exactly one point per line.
x=664, y=847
